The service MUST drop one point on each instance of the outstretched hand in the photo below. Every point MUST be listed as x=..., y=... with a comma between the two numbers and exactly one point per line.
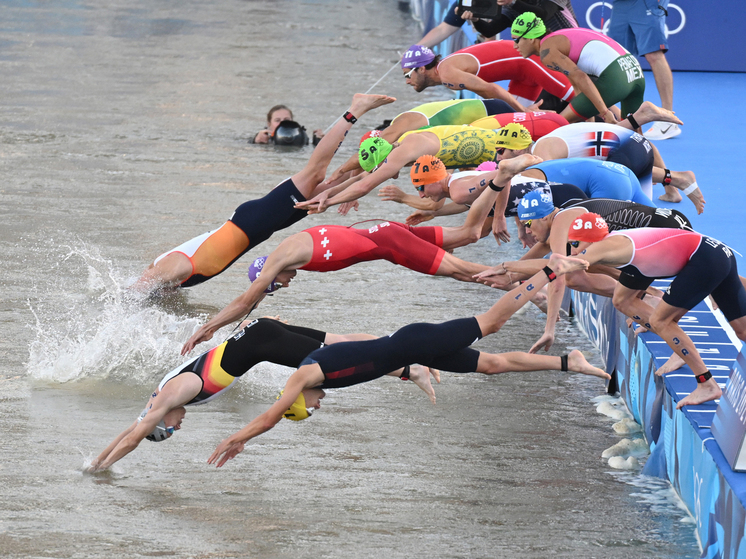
x=420, y=216
x=315, y=205
x=500, y=229
x=345, y=207
x=226, y=450
x=545, y=342
x=201, y=335
x=391, y=193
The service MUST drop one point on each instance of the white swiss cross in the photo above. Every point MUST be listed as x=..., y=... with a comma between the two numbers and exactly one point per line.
x=322, y=230
x=324, y=242
x=328, y=254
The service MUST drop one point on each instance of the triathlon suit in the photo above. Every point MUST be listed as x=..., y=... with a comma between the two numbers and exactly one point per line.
x=619, y=74
x=609, y=142
x=443, y=346
x=253, y=222
x=538, y=124
x=459, y=111
x=336, y=247
x=598, y=179
x=462, y=146
x=627, y=215
x=562, y=194
x=261, y=340
x=702, y=265
x=498, y=61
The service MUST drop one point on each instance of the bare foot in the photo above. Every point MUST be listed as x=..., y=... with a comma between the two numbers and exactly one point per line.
x=421, y=377
x=672, y=195
x=565, y=264
x=674, y=363
x=363, y=102
x=509, y=168
x=685, y=181
x=577, y=363
x=649, y=113
x=705, y=392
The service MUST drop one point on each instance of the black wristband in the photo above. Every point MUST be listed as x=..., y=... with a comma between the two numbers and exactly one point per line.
x=563, y=363
x=704, y=377
x=632, y=121
x=349, y=117
x=405, y=373
x=550, y=273
x=494, y=187
x=667, y=178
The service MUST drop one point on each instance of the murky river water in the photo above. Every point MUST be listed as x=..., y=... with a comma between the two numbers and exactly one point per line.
x=123, y=129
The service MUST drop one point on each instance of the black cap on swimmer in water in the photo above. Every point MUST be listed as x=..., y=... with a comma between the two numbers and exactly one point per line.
x=290, y=133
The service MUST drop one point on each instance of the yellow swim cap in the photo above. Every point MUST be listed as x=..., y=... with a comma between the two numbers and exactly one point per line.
x=513, y=136
x=297, y=411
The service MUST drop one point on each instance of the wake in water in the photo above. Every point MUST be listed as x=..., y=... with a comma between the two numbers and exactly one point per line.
x=96, y=328
x=88, y=325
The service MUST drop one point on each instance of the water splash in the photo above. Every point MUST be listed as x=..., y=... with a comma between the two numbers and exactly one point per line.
x=87, y=324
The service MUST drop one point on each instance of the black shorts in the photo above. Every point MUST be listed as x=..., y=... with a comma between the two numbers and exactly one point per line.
x=636, y=154
x=275, y=211
x=444, y=346
x=712, y=270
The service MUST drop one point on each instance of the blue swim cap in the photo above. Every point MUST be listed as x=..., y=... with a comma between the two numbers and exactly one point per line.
x=535, y=205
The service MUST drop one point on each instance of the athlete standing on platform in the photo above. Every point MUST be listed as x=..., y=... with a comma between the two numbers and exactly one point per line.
x=445, y=346
x=253, y=222
x=578, y=54
x=701, y=265
x=476, y=68
x=210, y=374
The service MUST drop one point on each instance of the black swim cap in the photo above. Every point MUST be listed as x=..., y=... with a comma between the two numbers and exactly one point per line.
x=290, y=133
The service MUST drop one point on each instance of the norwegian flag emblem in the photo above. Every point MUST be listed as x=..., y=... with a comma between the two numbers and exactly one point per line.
x=600, y=144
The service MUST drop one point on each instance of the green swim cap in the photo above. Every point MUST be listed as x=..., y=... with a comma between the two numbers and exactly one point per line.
x=373, y=152
x=528, y=26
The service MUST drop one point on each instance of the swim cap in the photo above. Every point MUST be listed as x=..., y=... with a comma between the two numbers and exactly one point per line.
x=370, y=134
x=427, y=170
x=589, y=227
x=528, y=26
x=513, y=136
x=298, y=411
x=290, y=133
x=535, y=205
x=373, y=152
x=487, y=166
x=160, y=432
x=417, y=56
x=255, y=270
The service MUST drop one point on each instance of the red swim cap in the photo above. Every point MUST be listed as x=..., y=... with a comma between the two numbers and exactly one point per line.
x=589, y=227
x=371, y=134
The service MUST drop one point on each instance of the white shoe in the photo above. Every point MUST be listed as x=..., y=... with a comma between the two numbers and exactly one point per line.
x=662, y=131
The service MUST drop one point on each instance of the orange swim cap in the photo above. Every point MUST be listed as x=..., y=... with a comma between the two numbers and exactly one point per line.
x=589, y=227
x=427, y=170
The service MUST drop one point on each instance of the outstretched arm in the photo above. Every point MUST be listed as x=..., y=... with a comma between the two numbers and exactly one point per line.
x=307, y=376
x=391, y=193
